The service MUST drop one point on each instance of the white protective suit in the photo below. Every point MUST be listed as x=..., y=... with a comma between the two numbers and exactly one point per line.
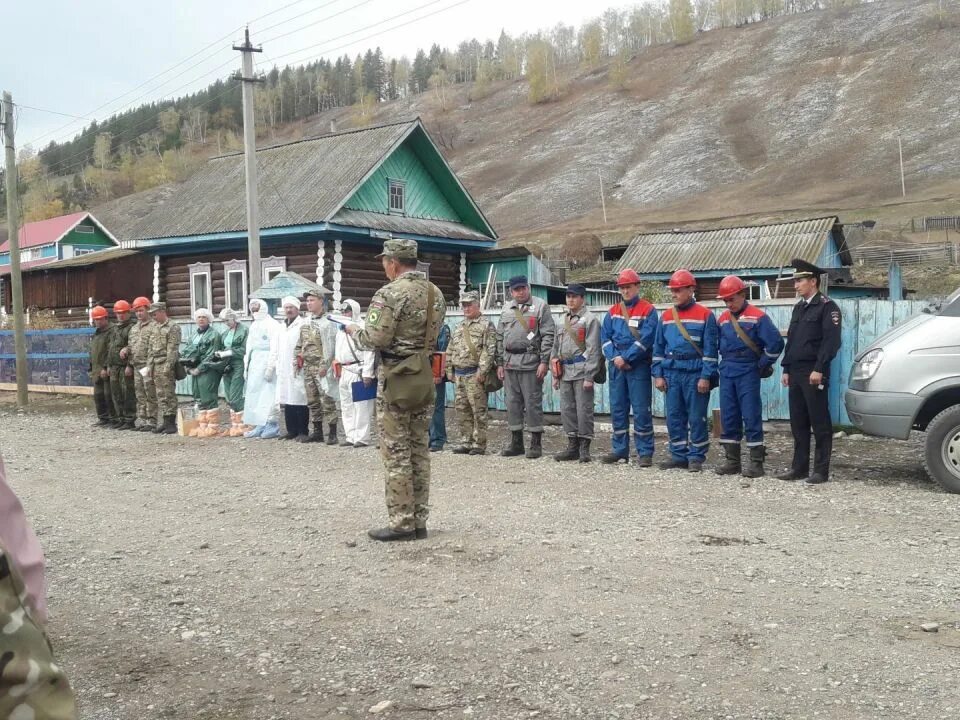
x=260, y=392
x=290, y=387
x=355, y=365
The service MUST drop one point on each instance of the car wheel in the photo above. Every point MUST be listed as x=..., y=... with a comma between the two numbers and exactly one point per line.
x=941, y=455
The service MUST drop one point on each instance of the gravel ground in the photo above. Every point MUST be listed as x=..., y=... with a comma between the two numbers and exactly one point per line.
x=233, y=579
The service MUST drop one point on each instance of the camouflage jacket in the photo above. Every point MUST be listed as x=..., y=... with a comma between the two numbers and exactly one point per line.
x=396, y=320
x=523, y=346
x=31, y=684
x=118, y=341
x=100, y=349
x=165, y=344
x=483, y=338
x=141, y=335
x=312, y=345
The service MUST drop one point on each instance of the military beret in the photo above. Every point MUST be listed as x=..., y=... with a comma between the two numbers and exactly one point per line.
x=804, y=269
x=471, y=296
x=518, y=281
x=576, y=289
x=154, y=307
x=400, y=249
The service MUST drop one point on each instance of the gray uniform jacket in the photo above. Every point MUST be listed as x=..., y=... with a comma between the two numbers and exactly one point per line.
x=524, y=346
x=578, y=365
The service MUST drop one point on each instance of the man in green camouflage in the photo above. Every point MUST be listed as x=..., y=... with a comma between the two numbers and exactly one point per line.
x=164, y=355
x=99, y=365
x=138, y=352
x=471, y=357
x=403, y=323
x=122, y=387
x=32, y=686
x=314, y=359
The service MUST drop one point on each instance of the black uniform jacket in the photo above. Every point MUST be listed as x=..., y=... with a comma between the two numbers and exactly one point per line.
x=814, y=336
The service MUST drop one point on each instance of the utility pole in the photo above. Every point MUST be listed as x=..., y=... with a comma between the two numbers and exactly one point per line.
x=603, y=203
x=903, y=184
x=13, y=229
x=254, y=273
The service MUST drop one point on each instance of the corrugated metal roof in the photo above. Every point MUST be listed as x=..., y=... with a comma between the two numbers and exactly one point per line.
x=44, y=232
x=403, y=224
x=114, y=253
x=299, y=183
x=737, y=248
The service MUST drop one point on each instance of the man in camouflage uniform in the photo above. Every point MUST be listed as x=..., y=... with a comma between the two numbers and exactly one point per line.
x=99, y=371
x=525, y=336
x=138, y=352
x=471, y=357
x=314, y=354
x=32, y=686
x=122, y=388
x=403, y=322
x=164, y=354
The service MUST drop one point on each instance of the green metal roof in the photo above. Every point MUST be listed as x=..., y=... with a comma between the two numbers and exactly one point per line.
x=285, y=284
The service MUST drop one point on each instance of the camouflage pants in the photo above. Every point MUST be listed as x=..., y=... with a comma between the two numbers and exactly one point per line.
x=404, y=440
x=31, y=684
x=146, y=397
x=124, y=394
x=165, y=384
x=101, y=398
x=323, y=408
x=472, y=415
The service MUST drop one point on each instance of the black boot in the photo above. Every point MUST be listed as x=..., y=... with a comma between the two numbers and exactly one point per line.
x=332, y=434
x=754, y=468
x=169, y=425
x=571, y=453
x=731, y=465
x=673, y=464
x=585, y=450
x=315, y=436
x=515, y=447
x=536, y=447
x=159, y=427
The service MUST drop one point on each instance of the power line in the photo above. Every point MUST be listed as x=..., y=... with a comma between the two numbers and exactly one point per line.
x=52, y=112
x=297, y=17
x=317, y=22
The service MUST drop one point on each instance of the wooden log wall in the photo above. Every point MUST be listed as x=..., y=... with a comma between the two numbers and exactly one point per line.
x=362, y=273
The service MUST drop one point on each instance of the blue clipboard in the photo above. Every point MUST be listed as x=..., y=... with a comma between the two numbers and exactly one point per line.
x=361, y=392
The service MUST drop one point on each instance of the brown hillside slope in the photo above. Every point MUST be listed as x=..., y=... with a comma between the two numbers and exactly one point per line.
x=797, y=114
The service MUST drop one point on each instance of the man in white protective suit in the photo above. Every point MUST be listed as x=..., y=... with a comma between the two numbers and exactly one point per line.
x=357, y=378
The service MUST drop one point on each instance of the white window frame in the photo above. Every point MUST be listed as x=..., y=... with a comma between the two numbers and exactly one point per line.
x=758, y=290
x=82, y=251
x=235, y=266
x=197, y=270
x=402, y=185
x=84, y=229
x=500, y=292
x=269, y=264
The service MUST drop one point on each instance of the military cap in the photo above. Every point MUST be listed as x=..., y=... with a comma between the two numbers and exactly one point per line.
x=804, y=269
x=154, y=307
x=576, y=289
x=317, y=292
x=471, y=296
x=518, y=281
x=400, y=249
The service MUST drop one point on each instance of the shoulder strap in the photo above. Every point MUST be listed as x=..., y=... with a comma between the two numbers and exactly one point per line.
x=683, y=331
x=571, y=333
x=519, y=314
x=743, y=335
x=626, y=318
x=469, y=341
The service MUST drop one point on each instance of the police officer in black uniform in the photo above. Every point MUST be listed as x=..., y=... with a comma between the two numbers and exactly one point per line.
x=812, y=342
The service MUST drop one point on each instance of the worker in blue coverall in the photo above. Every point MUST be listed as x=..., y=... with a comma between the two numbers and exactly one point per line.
x=627, y=336
x=749, y=346
x=685, y=368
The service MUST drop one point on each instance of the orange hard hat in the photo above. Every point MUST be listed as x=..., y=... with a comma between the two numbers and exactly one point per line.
x=121, y=306
x=99, y=312
x=682, y=279
x=141, y=302
x=628, y=277
x=730, y=286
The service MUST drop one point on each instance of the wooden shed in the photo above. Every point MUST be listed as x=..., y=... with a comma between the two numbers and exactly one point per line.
x=326, y=206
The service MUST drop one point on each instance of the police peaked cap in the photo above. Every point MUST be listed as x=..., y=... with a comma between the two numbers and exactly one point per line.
x=804, y=269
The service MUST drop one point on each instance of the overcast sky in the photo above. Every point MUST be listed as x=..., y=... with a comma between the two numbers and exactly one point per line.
x=73, y=57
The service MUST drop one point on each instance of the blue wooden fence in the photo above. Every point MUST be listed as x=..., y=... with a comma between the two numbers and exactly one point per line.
x=62, y=354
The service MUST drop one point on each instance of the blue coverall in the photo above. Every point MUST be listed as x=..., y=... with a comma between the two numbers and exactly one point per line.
x=630, y=388
x=682, y=366
x=740, y=369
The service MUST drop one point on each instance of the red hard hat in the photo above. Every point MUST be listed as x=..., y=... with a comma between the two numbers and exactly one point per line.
x=99, y=312
x=730, y=286
x=628, y=277
x=141, y=302
x=682, y=279
x=121, y=306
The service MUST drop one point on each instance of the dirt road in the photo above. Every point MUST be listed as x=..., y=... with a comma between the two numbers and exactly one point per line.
x=233, y=579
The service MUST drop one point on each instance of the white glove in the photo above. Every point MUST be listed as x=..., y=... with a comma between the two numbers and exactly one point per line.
x=270, y=374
